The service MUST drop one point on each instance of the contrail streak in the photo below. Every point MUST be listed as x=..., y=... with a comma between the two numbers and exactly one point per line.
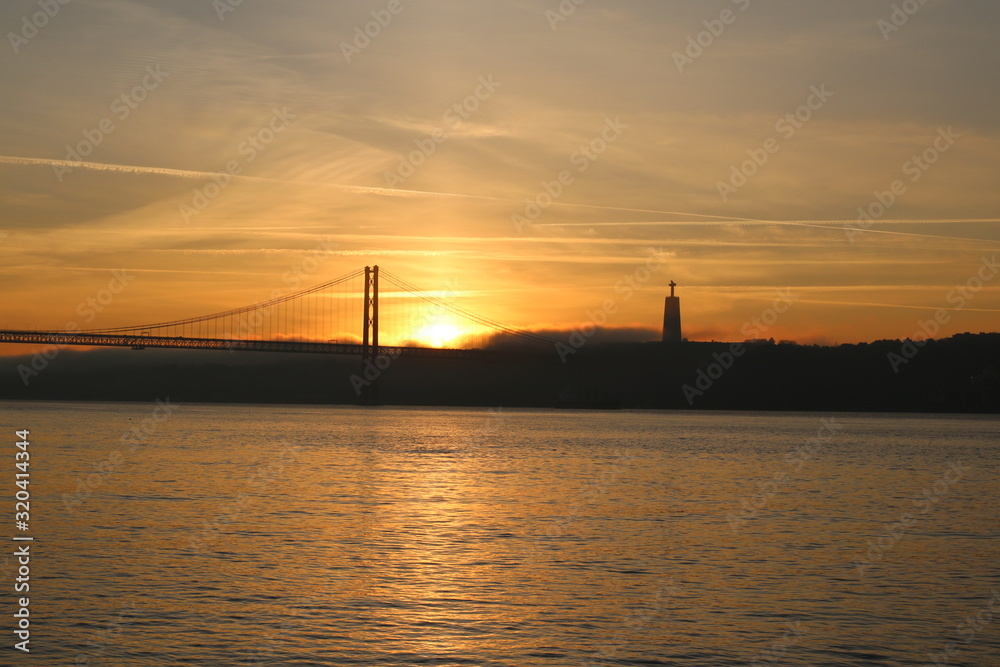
x=390, y=192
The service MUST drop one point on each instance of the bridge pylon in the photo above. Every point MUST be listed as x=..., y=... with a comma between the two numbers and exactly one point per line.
x=369, y=346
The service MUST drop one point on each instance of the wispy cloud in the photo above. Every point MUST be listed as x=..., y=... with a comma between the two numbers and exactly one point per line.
x=324, y=178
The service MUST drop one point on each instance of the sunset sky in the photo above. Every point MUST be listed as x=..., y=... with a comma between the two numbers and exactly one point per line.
x=495, y=100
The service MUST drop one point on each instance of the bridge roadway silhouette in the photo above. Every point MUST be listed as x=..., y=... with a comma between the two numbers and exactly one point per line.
x=282, y=320
x=139, y=342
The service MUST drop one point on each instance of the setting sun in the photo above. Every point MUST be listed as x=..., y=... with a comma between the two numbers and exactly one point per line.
x=439, y=334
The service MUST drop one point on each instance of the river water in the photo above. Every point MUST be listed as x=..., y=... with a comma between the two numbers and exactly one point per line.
x=300, y=535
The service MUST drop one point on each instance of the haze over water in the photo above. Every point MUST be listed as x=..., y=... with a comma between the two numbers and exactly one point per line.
x=350, y=536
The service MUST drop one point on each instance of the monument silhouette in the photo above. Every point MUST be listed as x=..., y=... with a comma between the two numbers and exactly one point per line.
x=672, y=317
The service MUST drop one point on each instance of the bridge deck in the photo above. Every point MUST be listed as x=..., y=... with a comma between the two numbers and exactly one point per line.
x=140, y=342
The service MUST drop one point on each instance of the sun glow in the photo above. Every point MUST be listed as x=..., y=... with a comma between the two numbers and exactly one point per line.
x=439, y=334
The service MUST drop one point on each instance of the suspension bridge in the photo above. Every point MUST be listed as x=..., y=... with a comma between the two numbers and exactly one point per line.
x=348, y=315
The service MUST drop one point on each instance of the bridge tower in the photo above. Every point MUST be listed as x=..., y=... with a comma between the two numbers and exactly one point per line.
x=369, y=345
x=370, y=325
x=672, y=317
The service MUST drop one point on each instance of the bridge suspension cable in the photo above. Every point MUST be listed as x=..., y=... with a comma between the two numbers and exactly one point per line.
x=263, y=305
x=462, y=312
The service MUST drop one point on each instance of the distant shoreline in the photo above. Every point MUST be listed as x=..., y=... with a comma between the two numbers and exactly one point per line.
x=958, y=375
